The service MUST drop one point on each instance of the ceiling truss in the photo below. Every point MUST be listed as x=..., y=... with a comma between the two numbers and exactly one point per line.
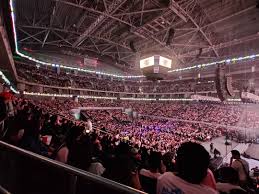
x=108, y=26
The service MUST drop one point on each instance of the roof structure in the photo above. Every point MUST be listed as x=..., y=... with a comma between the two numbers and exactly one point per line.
x=187, y=31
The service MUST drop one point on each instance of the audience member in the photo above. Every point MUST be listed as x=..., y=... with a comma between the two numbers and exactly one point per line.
x=241, y=166
x=228, y=180
x=192, y=161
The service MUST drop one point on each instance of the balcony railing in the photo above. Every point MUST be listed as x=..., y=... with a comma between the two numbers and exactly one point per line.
x=24, y=172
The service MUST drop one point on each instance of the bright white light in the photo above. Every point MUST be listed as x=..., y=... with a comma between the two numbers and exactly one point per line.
x=7, y=82
x=147, y=62
x=228, y=60
x=165, y=62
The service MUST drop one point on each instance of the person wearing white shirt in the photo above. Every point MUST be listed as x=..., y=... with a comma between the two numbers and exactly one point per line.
x=240, y=165
x=89, y=125
x=192, y=163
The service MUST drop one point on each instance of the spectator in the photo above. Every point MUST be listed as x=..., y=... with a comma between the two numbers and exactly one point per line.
x=241, y=166
x=209, y=180
x=96, y=166
x=192, y=163
x=89, y=125
x=211, y=147
x=122, y=168
x=81, y=152
x=228, y=180
x=31, y=138
x=3, y=114
x=63, y=151
x=154, y=166
x=167, y=159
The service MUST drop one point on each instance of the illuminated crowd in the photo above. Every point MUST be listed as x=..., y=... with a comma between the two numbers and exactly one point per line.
x=163, y=126
x=93, y=82
x=101, y=142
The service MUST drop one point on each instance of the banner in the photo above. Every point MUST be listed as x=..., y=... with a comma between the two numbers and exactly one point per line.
x=93, y=62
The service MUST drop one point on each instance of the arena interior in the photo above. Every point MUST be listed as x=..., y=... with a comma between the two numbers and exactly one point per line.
x=129, y=96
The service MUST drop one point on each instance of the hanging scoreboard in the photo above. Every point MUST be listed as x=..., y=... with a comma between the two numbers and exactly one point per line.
x=155, y=67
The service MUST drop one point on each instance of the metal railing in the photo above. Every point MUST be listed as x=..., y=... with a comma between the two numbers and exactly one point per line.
x=22, y=171
x=3, y=190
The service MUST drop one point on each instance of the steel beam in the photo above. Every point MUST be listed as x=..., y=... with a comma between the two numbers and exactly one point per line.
x=108, y=48
x=62, y=38
x=53, y=43
x=105, y=5
x=177, y=10
x=53, y=14
x=110, y=10
x=223, y=45
x=28, y=37
x=229, y=16
x=57, y=41
x=217, y=21
x=59, y=45
x=140, y=12
x=70, y=32
x=175, y=5
x=28, y=34
x=45, y=38
x=95, y=45
x=81, y=20
x=141, y=16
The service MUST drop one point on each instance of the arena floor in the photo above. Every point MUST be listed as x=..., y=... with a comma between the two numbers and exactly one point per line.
x=219, y=144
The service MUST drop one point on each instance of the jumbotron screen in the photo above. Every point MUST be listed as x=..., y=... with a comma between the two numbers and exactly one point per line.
x=155, y=61
x=155, y=67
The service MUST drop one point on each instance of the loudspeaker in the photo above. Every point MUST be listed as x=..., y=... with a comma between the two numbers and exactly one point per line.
x=220, y=82
x=170, y=36
x=199, y=54
x=229, y=86
x=132, y=47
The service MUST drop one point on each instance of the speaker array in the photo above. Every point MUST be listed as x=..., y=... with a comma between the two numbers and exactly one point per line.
x=223, y=83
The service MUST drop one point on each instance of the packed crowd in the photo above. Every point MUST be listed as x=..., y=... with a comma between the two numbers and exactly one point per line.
x=27, y=122
x=90, y=81
x=251, y=119
x=159, y=125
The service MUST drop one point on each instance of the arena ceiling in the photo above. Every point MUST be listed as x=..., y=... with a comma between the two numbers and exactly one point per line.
x=126, y=30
